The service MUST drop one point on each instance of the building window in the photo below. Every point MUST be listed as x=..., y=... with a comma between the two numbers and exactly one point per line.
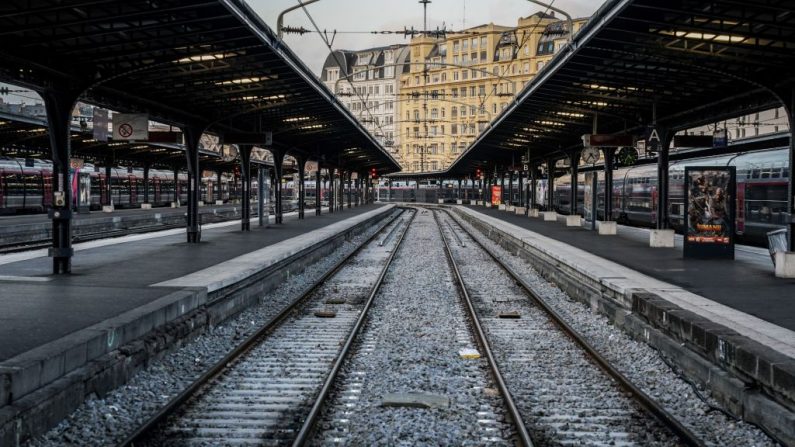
x=539, y=66
x=454, y=112
x=474, y=42
x=455, y=75
x=434, y=166
x=434, y=113
x=464, y=45
x=454, y=130
x=464, y=75
x=472, y=91
x=483, y=56
x=463, y=92
x=456, y=46
x=444, y=77
x=482, y=90
x=484, y=42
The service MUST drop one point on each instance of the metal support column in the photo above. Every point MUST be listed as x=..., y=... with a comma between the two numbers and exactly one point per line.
x=147, y=165
x=176, y=187
x=332, y=198
x=278, y=161
x=245, y=186
x=301, y=187
x=662, y=178
x=574, y=162
x=520, y=188
x=192, y=136
x=609, y=155
x=218, y=189
x=502, y=187
x=389, y=190
x=550, y=185
x=510, y=188
x=109, y=180
x=458, y=194
x=533, y=186
x=318, y=191
x=261, y=211
x=349, y=180
x=59, y=105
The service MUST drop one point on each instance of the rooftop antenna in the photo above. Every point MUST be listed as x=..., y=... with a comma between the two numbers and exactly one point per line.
x=425, y=16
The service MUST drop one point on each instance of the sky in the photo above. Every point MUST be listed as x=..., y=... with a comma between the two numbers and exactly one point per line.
x=346, y=16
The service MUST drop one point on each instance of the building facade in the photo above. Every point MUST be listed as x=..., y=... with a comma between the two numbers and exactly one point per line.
x=457, y=85
x=367, y=83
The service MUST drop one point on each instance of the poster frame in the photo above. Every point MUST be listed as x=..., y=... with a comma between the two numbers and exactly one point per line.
x=711, y=250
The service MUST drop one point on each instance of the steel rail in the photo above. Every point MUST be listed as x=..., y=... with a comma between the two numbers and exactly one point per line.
x=140, y=435
x=524, y=436
x=307, y=429
x=643, y=399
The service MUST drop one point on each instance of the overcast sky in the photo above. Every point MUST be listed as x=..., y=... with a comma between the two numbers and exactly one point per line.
x=393, y=15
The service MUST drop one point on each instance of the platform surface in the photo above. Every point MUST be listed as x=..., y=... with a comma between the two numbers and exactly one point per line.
x=746, y=284
x=112, y=276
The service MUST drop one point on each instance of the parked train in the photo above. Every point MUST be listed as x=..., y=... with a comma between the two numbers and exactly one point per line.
x=761, y=196
x=26, y=189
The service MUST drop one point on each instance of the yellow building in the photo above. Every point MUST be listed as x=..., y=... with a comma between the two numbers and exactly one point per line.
x=458, y=84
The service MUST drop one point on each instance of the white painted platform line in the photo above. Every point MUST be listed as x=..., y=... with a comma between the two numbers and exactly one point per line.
x=241, y=267
x=607, y=272
x=42, y=253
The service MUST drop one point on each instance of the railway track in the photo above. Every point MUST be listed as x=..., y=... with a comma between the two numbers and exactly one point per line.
x=263, y=391
x=418, y=376
x=565, y=391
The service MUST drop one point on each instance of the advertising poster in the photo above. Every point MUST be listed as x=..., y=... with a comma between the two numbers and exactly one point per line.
x=710, y=212
x=496, y=195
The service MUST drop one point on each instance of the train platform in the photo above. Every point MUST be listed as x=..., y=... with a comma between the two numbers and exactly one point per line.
x=123, y=288
x=26, y=228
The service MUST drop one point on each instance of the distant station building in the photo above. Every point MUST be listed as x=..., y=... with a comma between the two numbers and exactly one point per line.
x=367, y=83
x=458, y=84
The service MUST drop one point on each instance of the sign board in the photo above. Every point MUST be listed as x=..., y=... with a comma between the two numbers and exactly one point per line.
x=496, y=195
x=710, y=212
x=29, y=162
x=720, y=138
x=76, y=163
x=600, y=140
x=693, y=141
x=100, y=120
x=653, y=140
x=130, y=126
x=159, y=136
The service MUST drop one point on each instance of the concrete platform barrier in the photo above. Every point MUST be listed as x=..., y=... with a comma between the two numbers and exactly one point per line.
x=785, y=264
x=501, y=207
x=487, y=204
x=607, y=228
x=532, y=212
x=219, y=202
x=520, y=210
x=459, y=202
x=661, y=238
x=510, y=208
x=146, y=206
x=573, y=221
x=549, y=216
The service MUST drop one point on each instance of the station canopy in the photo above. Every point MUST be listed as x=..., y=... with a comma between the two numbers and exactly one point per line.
x=699, y=61
x=212, y=65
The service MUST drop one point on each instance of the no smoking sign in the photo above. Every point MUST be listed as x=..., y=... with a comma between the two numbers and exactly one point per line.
x=130, y=126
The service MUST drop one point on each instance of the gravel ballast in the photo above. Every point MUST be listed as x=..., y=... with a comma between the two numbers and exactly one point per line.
x=410, y=347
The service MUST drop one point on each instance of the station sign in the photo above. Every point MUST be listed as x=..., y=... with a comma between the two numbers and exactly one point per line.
x=131, y=126
x=709, y=232
x=693, y=141
x=76, y=163
x=653, y=140
x=602, y=140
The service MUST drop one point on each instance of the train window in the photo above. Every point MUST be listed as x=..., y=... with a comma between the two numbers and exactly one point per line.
x=785, y=172
x=755, y=173
x=766, y=173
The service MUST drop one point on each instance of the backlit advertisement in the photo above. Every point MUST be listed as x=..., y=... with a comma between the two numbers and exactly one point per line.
x=710, y=212
x=496, y=195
